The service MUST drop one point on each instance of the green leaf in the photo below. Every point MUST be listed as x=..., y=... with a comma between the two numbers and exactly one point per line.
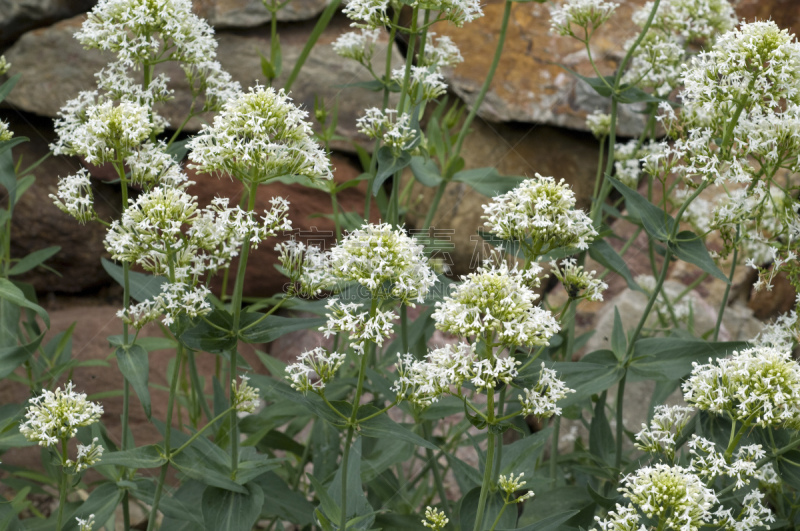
x=33, y=260
x=224, y=510
x=199, y=467
x=151, y=456
x=380, y=454
x=601, y=440
x=619, y=343
x=600, y=85
x=425, y=171
x=134, y=364
x=587, y=377
x=689, y=247
x=142, y=287
x=488, y=181
x=382, y=426
x=605, y=255
x=8, y=177
x=388, y=165
x=215, y=337
x=550, y=523
x=494, y=504
x=283, y=502
x=11, y=293
x=656, y=222
x=14, y=356
x=102, y=503
x=8, y=86
x=178, y=149
x=375, y=85
x=150, y=344
x=556, y=503
x=633, y=94
x=520, y=456
x=266, y=68
x=357, y=503
x=8, y=144
x=671, y=358
x=274, y=326
x=466, y=475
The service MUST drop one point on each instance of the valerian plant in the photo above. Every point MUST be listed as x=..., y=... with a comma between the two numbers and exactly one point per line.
x=428, y=402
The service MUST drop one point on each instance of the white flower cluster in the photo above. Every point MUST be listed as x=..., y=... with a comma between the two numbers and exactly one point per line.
x=86, y=525
x=424, y=82
x=74, y=196
x=4, y=65
x=780, y=334
x=628, y=158
x=676, y=29
x=259, y=135
x=440, y=52
x=306, y=266
x=56, y=416
x=367, y=14
x=393, y=129
x=358, y=45
x=87, y=456
x=709, y=463
x=578, y=283
x=422, y=382
x=386, y=261
x=541, y=211
x=585, y=14
x=245, y=397
x=671, y=494
x=599, y=124
x=314, y=369
x=5, y=133
x=359, y=327
x=498, y=301
x=435, y=519
x=759, y=386
x=542, y=400
x=510, y=484
x=176, y=298
x=664, y=430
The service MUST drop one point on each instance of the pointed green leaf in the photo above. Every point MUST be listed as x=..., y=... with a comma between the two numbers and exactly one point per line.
x=134, y=364
x=224, y=510
x=488, y=181
x=619, y=343
x=13, y=294
x=382, y=426
x=274, y=326
x=671, y=358
x=425, y=171
x=102, y=503
x=151, y=456
x=605, y=255
x=142, y=286
x=388, y=165
x=689, y=247
x=656, y=222
x=494, y=504
x=32, y=260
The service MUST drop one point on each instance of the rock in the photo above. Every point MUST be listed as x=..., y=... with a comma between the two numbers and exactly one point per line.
x=513, y=150
x=19, y=16
x=784, y=13
x=770, y=304
x=55, y=68
x=248, y=13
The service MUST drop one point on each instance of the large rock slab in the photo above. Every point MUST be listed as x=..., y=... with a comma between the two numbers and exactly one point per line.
x=531, y=86
x=19, y=16
x=249, y=13
x=55, y=68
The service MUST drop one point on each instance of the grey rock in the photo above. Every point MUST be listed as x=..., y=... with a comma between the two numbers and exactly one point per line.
x=19, y=16
x=249, y=13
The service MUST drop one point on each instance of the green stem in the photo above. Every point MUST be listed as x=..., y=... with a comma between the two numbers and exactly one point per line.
x=336, y=223
x=198, y=433
x=404, y=327
x=620, y=425
x=196, y=385
x=554, y=447
x=437, y=198
x=62, y=486
x=498, y=454
x=727, y=291
x=487, y=472
x=162, y=477
x=433, y=462
x=497, y=520
x=322, y=23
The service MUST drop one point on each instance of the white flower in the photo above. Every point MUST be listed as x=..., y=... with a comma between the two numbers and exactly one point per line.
x=585, y=14
x=578, y=283
x=5, y=133
x=209, y=79
x=440, y=53
x=358, y=45
x=56, y=416
x=141, y=31
x=392, y=128
x=75, y=197
x=368, y=14
x=175, y=299
x=314, y=369
x=496, y=300
x=422, y=382
x=359, y=326
x=671, y=493
x=4, y=65
x=541, y=401
x=435, y=519
x=759, y=385
x=86, y=525
x=245, y=398
x=259, y=135
x=599, y=124
x=306, y=266
x=541, y=210
x=87, y=456
x=664, y=430
x=423, y=82
x=510, y=484
x=386, y=261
